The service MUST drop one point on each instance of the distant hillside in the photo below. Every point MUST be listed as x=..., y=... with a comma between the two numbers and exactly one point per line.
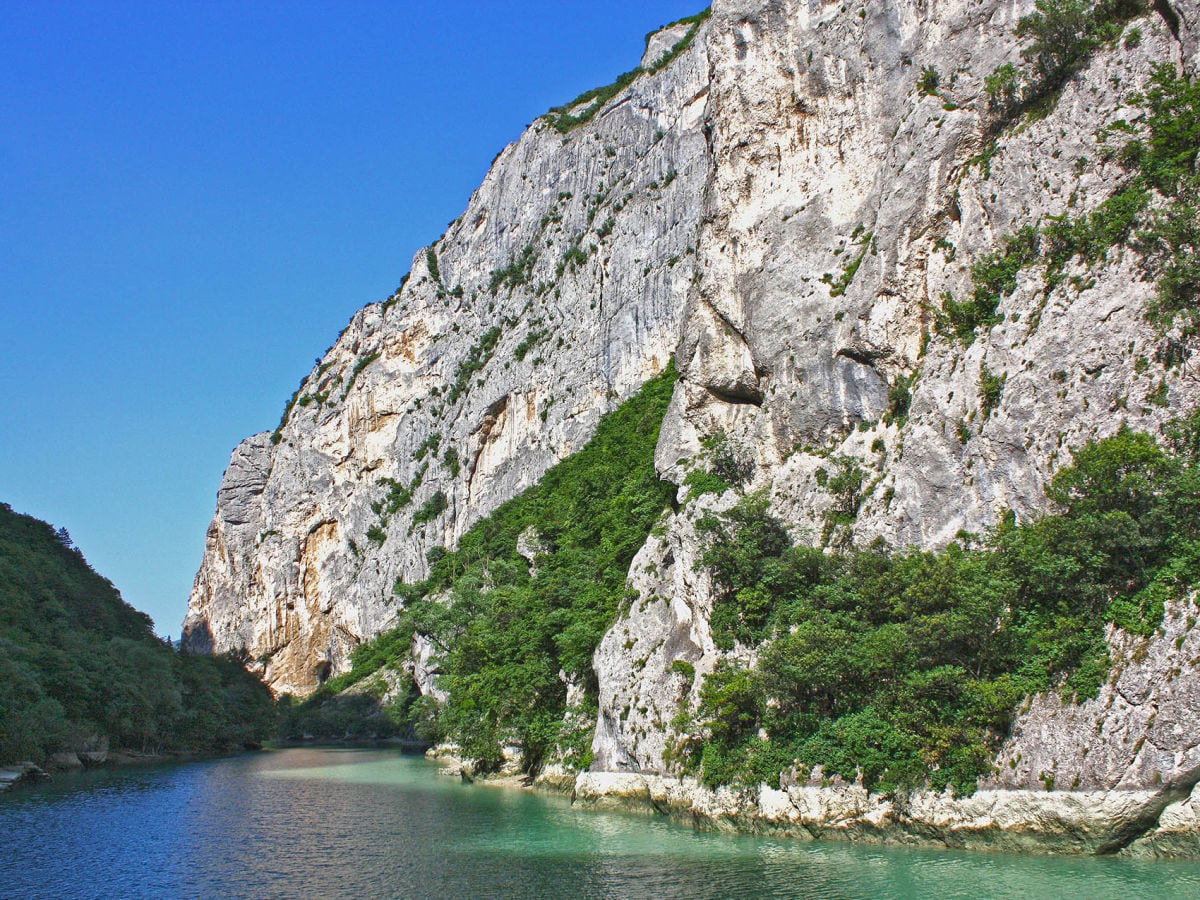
x=82, y=671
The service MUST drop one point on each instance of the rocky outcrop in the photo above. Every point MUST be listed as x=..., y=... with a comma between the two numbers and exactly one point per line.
x=18, y=773
x=999, y=820
x=785, y=211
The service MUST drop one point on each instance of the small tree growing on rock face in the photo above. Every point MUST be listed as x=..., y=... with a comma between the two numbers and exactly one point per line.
x=726, y=459
x=927, y=85
x=1058, y=30
x=1003, y=88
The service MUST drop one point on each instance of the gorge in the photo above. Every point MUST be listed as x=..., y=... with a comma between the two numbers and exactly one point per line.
x=894, y=282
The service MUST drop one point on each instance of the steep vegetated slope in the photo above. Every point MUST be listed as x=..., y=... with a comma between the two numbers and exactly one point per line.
x=933, y=439
x=81, y=671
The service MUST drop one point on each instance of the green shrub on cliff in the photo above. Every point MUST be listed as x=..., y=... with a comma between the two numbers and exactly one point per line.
x=587, y=104
x=505, y=633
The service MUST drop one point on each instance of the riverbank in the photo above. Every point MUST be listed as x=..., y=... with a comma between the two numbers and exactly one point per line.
x=1159, y=824
x=25, y=772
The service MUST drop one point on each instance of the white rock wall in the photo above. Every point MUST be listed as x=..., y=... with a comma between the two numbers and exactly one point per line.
x=818, y=131
x=289, y=572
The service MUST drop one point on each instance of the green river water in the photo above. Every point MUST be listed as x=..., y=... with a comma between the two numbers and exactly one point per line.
x=328, y=823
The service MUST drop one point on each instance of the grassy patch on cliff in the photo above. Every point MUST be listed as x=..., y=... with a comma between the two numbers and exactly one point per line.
x=505, y=634
x=78, y=664
x=587, y=104
x=909, y=666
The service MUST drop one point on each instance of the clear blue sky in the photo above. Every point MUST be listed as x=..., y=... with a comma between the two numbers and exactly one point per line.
x=196, y=197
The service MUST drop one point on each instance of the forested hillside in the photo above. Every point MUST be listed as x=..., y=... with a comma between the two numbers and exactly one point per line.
x=82, y=671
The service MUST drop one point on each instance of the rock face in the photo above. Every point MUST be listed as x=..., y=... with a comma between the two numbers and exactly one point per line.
x=578, y=250
x=823, y=149
x=782, y=209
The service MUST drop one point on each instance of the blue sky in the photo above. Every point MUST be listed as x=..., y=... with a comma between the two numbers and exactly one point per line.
x=196, y=197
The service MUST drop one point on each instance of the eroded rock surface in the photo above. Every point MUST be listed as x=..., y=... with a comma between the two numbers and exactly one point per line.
x=579, y=249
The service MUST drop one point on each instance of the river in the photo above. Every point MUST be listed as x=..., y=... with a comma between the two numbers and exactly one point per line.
x=331, y=823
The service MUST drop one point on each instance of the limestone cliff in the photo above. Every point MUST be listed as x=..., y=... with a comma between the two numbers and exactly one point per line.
x=796, y=376
x=784, y=209
x=554, y=296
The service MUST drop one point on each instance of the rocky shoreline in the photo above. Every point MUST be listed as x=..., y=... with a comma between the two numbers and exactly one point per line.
x=1162, y=824
x=1140, y=823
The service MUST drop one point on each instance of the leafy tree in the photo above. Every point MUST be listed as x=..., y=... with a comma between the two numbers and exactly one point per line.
x=907, y=667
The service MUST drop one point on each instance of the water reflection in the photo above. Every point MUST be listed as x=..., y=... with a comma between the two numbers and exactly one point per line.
x=336, y=823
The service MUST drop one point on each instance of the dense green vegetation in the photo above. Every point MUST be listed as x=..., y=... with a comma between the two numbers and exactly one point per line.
x=506, y=633
x=563, y=120
x=908, y=665
x=78, y=664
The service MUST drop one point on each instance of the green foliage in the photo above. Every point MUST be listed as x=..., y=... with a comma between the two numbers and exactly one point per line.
x=993, y=276
x=277, y=434
x=505, y=634
x=451, y=461
x=1164, y=154
x=351, y=706
x=398, y=497
x=1161, y=158
x=477, y=357
x=907, y=666
x=991, y=387
x=700, y=482
x=359, y=364
x=536, y=336
x=563, y=120
x=1003, y=87
x=574, y=257
x=77, y=663
x=927, y=84
x=516, y=273
x=428, y=446
x=900, y=398
x=684, y=668
x=1062, y=35
x=431, y=509
x=743, y=547
x=838, y=288
x=726, y=466
x=431, y=263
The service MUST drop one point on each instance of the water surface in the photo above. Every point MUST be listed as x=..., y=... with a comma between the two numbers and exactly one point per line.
x=328, y=823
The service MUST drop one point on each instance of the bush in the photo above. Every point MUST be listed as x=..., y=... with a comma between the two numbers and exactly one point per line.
x=927, y=84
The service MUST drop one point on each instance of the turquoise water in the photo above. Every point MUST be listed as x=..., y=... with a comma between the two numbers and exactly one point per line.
x=372, y=823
